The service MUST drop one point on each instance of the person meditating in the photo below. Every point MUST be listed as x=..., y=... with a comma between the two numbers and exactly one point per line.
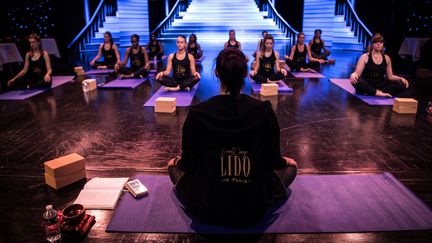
x=318, y=48
x=231, y=170
x=374, y=74
x=139, y=62
x=110, y=53
x=297, y=58
x=36, y=72
x=266, y=62
x=155, y=48
x=182, y=63
x=194, y=48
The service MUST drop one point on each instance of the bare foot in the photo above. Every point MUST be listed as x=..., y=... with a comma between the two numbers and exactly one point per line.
x=102, y=67
x=379, y=93
x=187, y=89
x=172, y=88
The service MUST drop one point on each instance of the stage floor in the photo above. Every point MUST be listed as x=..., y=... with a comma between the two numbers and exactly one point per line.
x=327, y=130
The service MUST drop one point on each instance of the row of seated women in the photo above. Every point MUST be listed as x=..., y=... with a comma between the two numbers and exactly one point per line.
x=373, y=74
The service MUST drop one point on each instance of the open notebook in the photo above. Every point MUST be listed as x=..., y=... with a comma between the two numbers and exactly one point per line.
x=101, y=193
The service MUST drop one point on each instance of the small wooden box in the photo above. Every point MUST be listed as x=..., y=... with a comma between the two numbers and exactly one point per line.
x=64, y=166
x=405, y=105
x=89, y=85
x=165, y=105
x=269, y=89
x=79, y=71
x=63, y=181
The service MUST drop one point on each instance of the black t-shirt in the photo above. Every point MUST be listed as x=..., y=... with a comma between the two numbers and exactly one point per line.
x=230, y=149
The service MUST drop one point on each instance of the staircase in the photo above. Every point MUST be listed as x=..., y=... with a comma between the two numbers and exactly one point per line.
x=320, y=14
x=131, y=18
x=211, y=20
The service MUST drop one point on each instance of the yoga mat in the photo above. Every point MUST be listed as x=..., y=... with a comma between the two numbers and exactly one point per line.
x=307, y=75
x=183, y=98
x=123, y=83
x=370, y=100
x=99, y=71
x=283, y=88
x=25, y=94
x=317, y=203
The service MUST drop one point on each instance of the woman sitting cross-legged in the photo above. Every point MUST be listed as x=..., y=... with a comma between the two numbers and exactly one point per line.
x=374, y=74
x=266, y=62
x=185, y=75
x=37, y=68
x=231, y=170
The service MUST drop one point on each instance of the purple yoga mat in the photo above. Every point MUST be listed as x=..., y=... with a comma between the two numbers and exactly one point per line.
x=317, y=203
x=283, y=88
x=99, y=71
x=25, y=94
x=183, y=98
x=370, y=100
x=307, y=75
x=123, y=83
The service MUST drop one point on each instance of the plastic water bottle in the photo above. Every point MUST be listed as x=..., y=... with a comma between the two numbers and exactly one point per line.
x=155, y=63
x=51, y=224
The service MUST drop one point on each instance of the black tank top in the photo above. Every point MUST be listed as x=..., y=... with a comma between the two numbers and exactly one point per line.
x=300, y=56
x=181, y=68
x=137, y=60
x=37, y=69
x=153, y=48
x=267, y=64
x=109, y=55
x=373, y=70
x=235, y=46
x=193, y=51
x=316, y=47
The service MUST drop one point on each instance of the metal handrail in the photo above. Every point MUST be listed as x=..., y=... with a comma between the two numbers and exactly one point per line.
x=344, y=7
x=178, y=7
x=282, y=24
x=104, y=8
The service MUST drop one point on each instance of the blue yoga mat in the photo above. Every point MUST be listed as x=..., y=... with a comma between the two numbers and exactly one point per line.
x=307, y=75
x=183, y=98
x=25, y=94
x=123, y=83
x=283, y=88
x=370, y=100
x=317, y=203
x=99, y=71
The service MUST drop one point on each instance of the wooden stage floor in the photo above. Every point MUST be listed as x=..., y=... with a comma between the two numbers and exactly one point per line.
x=327, y=131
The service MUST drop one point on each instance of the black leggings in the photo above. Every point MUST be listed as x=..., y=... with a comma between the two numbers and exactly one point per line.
x=108, y=64
x=31, y=83
x=136, y=72
x=259, y=78
x=188, y=82
x=283, y=177
x=369, y=87
x=296, y=66
x=320, y=55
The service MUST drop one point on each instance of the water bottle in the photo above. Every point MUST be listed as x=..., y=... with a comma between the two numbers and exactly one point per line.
x=155, y=63
x=51, y=224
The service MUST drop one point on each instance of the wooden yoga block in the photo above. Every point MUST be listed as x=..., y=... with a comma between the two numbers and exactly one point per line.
x=269, y=89
x=89, y=85
x=165, y=105
x=63, y=181
x=405, y=105
x=79, y=71
x=65, y=165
